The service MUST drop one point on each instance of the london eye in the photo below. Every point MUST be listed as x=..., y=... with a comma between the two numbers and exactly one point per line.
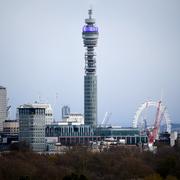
x=152, y=125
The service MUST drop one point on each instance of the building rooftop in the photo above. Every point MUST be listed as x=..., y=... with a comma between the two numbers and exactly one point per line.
x=35, y=105
x=14, y=120
x=75, y=114
x=1, y=87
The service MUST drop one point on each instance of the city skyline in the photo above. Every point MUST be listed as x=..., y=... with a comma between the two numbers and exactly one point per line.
x=42, y=54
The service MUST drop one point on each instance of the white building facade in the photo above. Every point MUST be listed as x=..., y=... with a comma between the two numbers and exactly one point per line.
x=73, y=118
x=3, y=106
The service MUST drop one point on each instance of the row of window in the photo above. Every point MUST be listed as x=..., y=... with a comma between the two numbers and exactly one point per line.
x=68, y=131
x=31, y=111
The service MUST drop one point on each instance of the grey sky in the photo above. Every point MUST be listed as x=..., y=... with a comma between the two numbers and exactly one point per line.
x=138, y=53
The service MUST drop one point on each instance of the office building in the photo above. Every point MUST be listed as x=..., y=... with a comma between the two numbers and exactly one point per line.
x=65, y=111
x=3, y=106
x=75, y=118
x=48, y=112
x=11, y=127
x=32, y=119
x=72, y=119
x=84, y=134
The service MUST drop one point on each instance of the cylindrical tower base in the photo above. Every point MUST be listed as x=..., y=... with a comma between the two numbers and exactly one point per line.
x=90, y=99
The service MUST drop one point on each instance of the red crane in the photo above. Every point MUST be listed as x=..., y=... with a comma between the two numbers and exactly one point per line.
x=152, y=136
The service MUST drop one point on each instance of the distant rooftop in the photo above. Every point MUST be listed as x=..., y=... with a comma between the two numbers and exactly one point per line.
x=14, y=120
x=36, y=105
x=1, y=87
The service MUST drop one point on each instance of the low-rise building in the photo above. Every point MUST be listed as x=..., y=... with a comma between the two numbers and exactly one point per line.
x=84, y=134
x=73, y=118
x=11, y=127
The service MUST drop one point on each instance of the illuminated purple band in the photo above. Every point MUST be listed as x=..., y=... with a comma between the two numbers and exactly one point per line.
x=90, y=29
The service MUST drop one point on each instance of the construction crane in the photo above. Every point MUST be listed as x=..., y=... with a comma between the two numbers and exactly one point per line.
x=8, y=112
x=106, y=119
x=159, y=116
x=152, y=131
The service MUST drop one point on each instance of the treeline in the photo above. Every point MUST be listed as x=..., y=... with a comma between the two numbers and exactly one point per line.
x=78, y=163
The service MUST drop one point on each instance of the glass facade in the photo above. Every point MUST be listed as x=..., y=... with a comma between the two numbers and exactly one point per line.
x=32, y=127
x=69, y=130
x=73, y=134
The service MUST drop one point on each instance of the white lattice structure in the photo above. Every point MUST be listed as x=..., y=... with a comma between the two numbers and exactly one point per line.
x=163, y=112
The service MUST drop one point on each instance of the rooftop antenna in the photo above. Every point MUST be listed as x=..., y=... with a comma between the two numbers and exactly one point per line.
x=39, y=98
x=90, y=11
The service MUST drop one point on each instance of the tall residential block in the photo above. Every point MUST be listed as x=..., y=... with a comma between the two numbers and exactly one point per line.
x=3, y=106
x=90, y=37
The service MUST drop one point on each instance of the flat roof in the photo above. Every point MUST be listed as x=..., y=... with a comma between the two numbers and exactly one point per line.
x=36, y=105
x=13, y=120
x=1, y=87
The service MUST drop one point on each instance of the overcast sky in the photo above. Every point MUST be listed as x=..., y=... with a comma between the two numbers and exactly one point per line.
x=138, y=54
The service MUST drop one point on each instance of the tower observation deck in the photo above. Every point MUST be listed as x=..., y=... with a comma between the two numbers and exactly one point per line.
x=90, y=37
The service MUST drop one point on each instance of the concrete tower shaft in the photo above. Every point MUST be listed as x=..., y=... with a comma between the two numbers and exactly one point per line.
x=90, y=37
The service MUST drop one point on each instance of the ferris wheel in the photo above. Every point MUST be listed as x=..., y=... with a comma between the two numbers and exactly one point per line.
x=161, y=115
